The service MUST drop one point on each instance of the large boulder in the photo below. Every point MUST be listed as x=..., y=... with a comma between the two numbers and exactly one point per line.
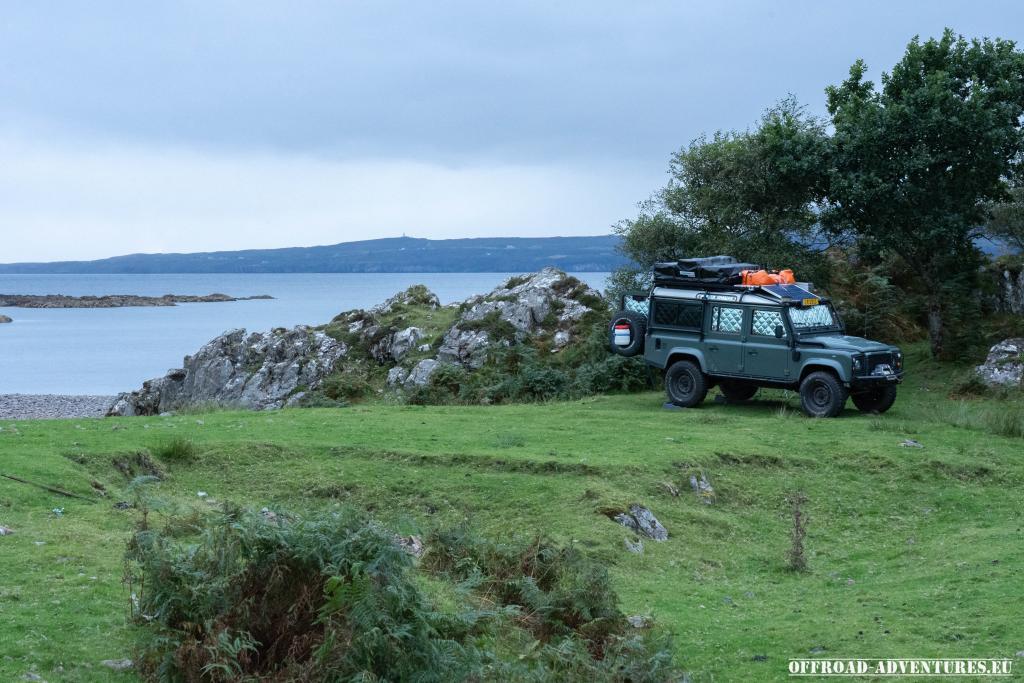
x=257, y=371
x=376, y=331
x=1004, y=366
x=548, y=301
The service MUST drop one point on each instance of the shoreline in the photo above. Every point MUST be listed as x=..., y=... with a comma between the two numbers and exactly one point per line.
x=116, y=300
x=53, y=406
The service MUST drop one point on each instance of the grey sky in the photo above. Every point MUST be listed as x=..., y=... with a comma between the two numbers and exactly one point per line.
x=184, y=126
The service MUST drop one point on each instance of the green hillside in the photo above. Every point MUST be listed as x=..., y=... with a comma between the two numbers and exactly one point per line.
x=912, y=551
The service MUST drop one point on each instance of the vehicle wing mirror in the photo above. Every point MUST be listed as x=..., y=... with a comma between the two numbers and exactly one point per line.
x=780, y=332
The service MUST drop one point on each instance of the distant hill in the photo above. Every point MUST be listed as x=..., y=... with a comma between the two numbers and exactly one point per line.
x=391, y=255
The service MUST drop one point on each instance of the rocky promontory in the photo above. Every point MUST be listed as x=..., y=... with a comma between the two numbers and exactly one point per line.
x=397, y=346
x=114, y=300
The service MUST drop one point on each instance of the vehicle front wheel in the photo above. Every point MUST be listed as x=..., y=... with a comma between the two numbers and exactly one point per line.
x=822, y=395
x=876, y=400
x=685, y=384
x=737, y=392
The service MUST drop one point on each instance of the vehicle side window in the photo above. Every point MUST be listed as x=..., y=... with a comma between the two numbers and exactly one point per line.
x=685, y=314
x=765, y=321
x=726, y=319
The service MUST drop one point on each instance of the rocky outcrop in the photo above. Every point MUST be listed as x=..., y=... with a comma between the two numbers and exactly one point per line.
x=547, y=301
x=291, y=367
x=5, y=319
x=1004, y=366
x=115, y=300
x=257, y=371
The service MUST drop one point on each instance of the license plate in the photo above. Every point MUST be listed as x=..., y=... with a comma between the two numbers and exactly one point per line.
x=811, y=302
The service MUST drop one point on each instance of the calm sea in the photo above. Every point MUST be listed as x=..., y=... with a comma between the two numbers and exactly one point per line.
x=108, y=350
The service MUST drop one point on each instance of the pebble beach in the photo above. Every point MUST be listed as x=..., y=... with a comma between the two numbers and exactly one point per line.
x=52, y=406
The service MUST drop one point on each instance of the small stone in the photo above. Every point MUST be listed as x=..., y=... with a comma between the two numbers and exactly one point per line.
x=850, y=582
x=202, y=494
x=817, y=650
x=118, y=664
x=1019, y=654
x=57, y=512
x=32, y=676
x=6, y=530
x=669, y=488
x=640, y=621
x=642, y=521
x=636, y=546
x=702, y=487
x=910, y=443
x=759, y=658
x=411, y=544
x=123, y=505
x=670, y=406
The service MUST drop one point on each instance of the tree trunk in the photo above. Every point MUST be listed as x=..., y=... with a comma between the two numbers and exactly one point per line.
x=935, y=328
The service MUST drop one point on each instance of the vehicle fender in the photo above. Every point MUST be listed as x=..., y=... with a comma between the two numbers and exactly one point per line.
x=812, y=364
x=686, y=351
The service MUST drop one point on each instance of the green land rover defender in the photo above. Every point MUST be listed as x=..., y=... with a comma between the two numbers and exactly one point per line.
x=703, y=328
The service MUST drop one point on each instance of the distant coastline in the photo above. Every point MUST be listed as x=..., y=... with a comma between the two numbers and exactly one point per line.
x=113, y=300
x=392, y=255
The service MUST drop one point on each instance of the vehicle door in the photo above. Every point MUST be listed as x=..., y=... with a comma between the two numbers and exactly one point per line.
x=673, y=323
x=724, y=341
x=767, y=355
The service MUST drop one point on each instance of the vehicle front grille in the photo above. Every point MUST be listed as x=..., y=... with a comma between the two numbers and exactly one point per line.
x=876, y=359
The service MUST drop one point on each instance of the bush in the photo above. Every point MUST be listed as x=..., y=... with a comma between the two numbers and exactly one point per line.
x=325, y=599
x=349, y=385
x=335, y=599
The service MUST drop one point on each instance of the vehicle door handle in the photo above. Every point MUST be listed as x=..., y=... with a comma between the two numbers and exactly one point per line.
x=712, y=348
x=752, y=353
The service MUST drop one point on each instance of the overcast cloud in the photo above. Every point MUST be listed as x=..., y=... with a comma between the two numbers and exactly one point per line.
x=187, y=126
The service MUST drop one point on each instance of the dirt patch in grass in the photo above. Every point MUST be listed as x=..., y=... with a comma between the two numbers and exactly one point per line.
x=137, y=464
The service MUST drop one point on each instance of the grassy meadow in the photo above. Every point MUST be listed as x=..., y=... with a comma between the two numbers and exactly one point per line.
x=911, y=551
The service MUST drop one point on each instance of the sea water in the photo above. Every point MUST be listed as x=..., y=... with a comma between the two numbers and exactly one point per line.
x=109, y=350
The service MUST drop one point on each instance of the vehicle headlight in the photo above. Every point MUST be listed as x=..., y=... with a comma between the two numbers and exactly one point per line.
x=897, y=357
x=858, y=363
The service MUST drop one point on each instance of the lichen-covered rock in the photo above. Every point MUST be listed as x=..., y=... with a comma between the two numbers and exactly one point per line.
x=642, y=521
x=1004, y=366
x=545, y=302
x=404, y=341
x=420, y=374
x=396, y=376
x=257, y=371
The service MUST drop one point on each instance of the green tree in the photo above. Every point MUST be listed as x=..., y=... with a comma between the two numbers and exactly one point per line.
x=914, y=163
x=752, y=194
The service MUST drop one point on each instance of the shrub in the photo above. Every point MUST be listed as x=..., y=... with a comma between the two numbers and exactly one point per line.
x=559, y=591
x=350, y=384
x=496, y=327
x=325, y=599
x=334, y=598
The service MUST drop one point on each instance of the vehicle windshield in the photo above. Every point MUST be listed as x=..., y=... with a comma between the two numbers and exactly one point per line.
x=820, y=318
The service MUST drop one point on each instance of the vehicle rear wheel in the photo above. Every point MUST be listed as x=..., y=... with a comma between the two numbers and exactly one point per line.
x=737, y=392
x=822, y=395
x=875, y=400
x=685, y=384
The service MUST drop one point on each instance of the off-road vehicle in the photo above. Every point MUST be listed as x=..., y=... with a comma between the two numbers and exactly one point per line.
x=703, y=327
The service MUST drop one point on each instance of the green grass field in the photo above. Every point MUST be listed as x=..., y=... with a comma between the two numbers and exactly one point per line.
x=912, y=552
